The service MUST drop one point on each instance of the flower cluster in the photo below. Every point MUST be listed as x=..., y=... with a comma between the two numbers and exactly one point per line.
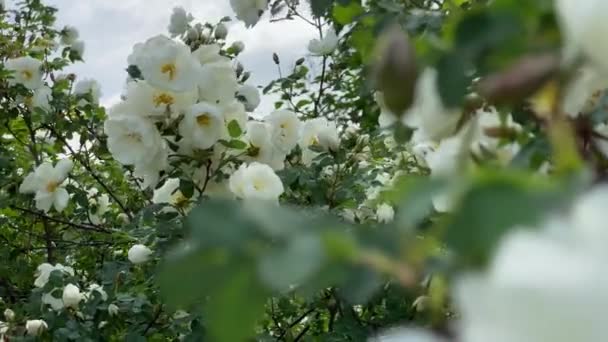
x=189, y=111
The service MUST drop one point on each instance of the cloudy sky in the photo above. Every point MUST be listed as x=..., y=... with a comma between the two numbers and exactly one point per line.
x=111, y=27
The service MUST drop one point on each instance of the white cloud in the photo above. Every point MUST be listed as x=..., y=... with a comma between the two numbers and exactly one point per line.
x=111, y=27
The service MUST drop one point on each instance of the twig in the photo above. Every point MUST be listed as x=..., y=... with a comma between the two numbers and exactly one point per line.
x=56, y=220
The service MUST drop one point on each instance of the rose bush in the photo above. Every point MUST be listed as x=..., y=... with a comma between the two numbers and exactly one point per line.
x=431, y=171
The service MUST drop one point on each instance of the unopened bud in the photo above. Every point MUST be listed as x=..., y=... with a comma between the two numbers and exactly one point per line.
x=276, y=60
x=221, y=31
x=238, y=47
x=521, y=80
x=396, y=72
x=9, y=315
x=239, y=69
x=192, y=34
x=246, y=76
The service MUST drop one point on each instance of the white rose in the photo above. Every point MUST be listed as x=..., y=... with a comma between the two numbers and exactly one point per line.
x=285, y=129
x=113, y=310
x=385, y=213
x=250, y=96
x=26, y=71
x=71, y=296
x=179, y=22
x=167, y=64
x=217, y=82
x=139, y=254
x=256, y=181
x=47, y=183
x=9, y=315
x=249, y=11
x=35, y=327
x=88, y=86
x=69, y=35
x=203, y=125
x=326, y=45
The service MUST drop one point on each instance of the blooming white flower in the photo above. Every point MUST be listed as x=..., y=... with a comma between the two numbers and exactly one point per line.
x=179, y=22
x=26, y=71
x=318, y=132
x=124, y=218
x=217, y=83
x=261, y=149
x=101, y=204
x=139, y=254
x=249, y=11
x=168, y=65
x=149, y=170
x=96, y=288
x=35, y=327
x=325, y=45
x=69, y=35
x=285, y=129
x=44, y=272
x=42, y=97
x=56, y=303
x=446, y=159
x=202, y=125
x=250, y=96
x=113, y=309
x=256, y=181
x=385, y=213
x=9, y=315
x=88, y=87
x=132, y=140
x=46, y=182
x=71, y=296
x=556, y=274
x=209, y=53
x=147, y=101
x=169, y=193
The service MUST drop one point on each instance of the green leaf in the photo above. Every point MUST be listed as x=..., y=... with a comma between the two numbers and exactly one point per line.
x=234, y=129
x=233, y=311
x=320, y=7
x=453, y=78
x=234, y=143
x=495, y=204
x=293, y=264
x=346, y=14
x=186, y=187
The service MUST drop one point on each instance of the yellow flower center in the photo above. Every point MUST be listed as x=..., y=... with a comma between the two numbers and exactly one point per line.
x=170, y=69
x=27, y=74
x=52, y=186
x=163, y=99
x=203, y=120
x=258, y=184
x=283, y=126
x=178, y=199
x=314, y=140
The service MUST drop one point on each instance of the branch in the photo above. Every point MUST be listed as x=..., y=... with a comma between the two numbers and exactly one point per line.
x=56, y=220
x=321, y=88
